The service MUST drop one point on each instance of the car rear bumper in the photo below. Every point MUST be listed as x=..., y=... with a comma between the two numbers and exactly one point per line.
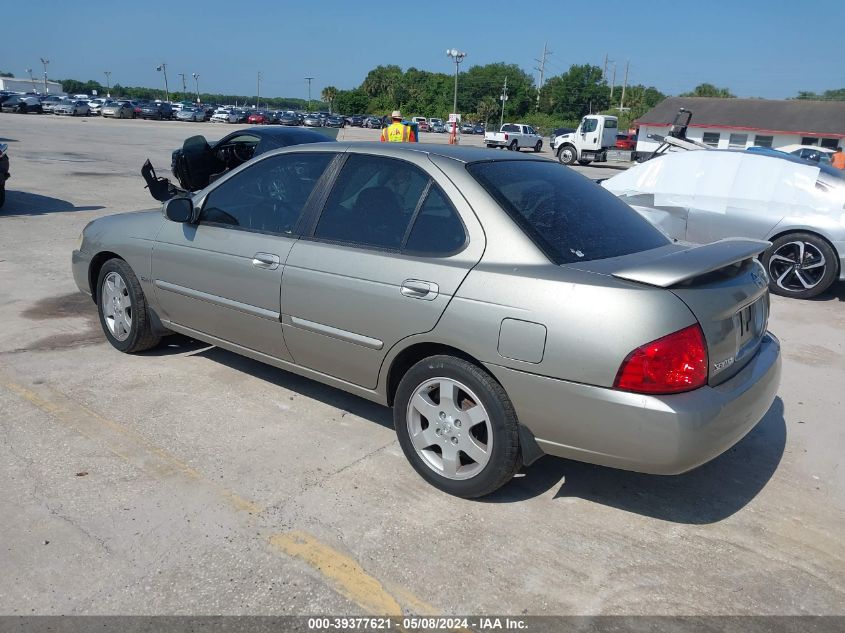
x=663, y=435
x=80, y=263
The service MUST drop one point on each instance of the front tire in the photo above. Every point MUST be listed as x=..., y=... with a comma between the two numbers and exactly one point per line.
x=567, y=155
x=538, y=147
x=457, y=427
x=800, y=265
x=123, y=310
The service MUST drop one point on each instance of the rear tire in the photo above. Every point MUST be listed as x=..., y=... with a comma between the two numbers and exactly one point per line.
x=2, y=193
x=584, y=162
x=801, y=265
x=514, y=146
x=122, y=307
x=466, y=445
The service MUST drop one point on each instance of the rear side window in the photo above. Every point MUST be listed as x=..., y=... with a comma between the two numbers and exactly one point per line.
x=437, y=229
x=568, y=216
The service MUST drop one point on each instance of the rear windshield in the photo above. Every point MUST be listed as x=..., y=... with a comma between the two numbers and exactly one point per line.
x=568, y=216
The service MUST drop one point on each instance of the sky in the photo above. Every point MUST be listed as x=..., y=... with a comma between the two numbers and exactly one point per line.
x=756, y=48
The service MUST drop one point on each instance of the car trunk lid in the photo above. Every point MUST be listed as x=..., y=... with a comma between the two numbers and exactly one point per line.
x=722, y=284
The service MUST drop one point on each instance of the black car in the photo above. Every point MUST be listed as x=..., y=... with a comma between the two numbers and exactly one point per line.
x=159, y=111
x=334, y=120
x=21, y=104
x=4, y=171
x=199, y=162
x=357, y=120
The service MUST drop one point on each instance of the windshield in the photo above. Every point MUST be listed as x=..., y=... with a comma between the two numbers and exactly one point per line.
x=568, y=216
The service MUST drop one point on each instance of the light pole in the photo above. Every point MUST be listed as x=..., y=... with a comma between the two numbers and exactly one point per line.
x=309, y=79
x=163, y=69
x=32, y=79
x=197, y=84
x=258, y=92
x=107, y=73
x=184, y=87
x=503, y=98
x=44, y=62
x=458, y=56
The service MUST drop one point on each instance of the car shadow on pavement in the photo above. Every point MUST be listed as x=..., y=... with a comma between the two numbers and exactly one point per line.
x=24, y=203
x=303, y=386
x=835, y=293
x=710, y=493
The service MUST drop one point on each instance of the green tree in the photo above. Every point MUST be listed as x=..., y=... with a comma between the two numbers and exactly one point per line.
x=5, y=74
x=827, y=95
x=328, y=95
x=577, y=92
x=709, y=90
x=352, y=101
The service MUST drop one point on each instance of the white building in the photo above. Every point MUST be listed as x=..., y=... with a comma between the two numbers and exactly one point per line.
x=741, y=123
x=16, y=84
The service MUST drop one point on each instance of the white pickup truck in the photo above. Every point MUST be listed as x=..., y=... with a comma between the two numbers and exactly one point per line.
x=514, y=136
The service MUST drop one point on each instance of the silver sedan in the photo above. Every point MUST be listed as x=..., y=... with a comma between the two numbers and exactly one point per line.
x=505, y=307
x=191, y=114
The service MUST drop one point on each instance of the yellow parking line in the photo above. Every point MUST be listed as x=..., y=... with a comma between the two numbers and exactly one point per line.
x=347, y=576
x=127, y=444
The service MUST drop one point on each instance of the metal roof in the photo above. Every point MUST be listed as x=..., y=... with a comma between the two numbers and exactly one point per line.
x=794, y=116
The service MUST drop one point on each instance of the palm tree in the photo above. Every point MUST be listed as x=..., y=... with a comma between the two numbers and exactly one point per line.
x=328, y=95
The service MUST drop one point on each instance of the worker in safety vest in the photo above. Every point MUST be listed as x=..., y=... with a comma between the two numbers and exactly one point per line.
x=397, y=132
x=838, y=159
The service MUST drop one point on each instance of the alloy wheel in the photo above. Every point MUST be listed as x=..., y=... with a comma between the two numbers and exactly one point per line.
x=797, y=266
x=449, y=428
x=117, y=306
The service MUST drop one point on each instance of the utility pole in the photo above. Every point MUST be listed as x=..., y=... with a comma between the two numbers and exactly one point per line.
x=184, y=87
x=624, y=85
x=503, y=98
x=458, y=56
x=308, y=79
x=613, y=82
x=258, y=92
x=163, y=69
x=604, y=72
x=107, y=73
x=542, y=69
x=197, y=84
x=32, y=79
x=44, y=62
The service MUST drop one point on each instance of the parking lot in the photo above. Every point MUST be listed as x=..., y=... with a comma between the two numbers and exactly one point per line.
x=190, y=480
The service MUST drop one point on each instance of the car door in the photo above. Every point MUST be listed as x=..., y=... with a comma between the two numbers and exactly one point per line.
x=383, y=260
x=222, y=276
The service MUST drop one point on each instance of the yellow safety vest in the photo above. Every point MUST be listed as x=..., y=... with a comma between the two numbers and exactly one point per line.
x=397, y=133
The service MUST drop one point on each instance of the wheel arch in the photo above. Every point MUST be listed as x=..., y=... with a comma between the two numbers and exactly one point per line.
x=416, y=352
x=94, y=268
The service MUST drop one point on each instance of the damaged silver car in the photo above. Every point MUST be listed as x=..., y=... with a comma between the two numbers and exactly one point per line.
x=703, y=196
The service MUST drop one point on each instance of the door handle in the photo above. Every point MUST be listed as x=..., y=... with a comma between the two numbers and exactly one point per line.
x=416, y=289
x=266, y=260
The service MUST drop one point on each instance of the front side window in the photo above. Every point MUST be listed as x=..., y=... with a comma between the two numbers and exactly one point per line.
x=268, y=196
x=372, y=202
x=589, y=125
x=570, y=218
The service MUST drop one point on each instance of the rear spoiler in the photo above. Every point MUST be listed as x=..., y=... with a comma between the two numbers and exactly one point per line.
x=675, y=268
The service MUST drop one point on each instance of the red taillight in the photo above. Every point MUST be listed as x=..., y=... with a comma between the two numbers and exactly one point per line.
x=506, y=136
x=672, y=364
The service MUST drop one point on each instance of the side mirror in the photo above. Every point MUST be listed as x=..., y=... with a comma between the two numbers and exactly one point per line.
x=179, y=210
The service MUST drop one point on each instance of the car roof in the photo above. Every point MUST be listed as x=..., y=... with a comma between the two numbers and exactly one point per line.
x=454, y=152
